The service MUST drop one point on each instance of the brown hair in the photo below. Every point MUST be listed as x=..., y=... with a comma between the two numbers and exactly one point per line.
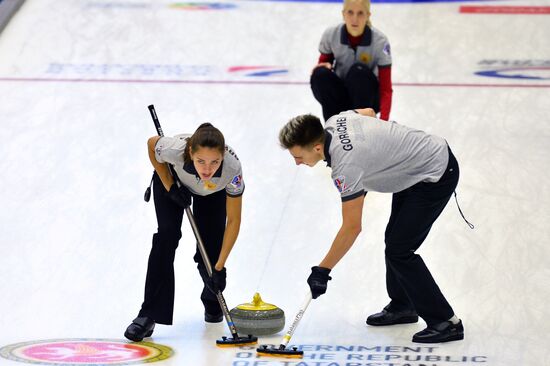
x=304, y=131
x=206, y=135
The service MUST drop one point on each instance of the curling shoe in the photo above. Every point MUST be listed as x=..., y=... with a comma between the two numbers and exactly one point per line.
x=140, y=328
x=213, y=318
x=390, y=317
x=441, y=332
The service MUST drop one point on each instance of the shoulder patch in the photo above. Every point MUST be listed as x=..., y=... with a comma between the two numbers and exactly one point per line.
x=237, y=181
x=340, y=183
x=386, y=49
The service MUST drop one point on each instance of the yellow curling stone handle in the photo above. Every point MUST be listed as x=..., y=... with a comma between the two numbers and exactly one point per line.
x=257, y=304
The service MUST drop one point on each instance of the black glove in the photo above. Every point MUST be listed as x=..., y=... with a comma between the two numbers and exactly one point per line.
x=318, y=280
x=215, y=283
x=180, y=195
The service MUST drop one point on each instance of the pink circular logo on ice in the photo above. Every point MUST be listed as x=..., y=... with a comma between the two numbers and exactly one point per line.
x=85, y=352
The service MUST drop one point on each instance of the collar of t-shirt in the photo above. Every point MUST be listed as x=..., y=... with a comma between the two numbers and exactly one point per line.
x=328, y=139
x=190, y=168
x=352, y=41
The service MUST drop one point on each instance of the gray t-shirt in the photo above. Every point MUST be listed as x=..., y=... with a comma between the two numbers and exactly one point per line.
x=368, y=154
x=228, y=176
x=373, y=50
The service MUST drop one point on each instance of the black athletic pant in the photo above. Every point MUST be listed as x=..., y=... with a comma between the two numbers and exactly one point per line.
x=210, y=216
x=358, y=90
x=409, y=282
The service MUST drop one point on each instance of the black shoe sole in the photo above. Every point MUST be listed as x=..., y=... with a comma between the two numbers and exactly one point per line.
x=137, y=339
x=455, y=337
x=215, y=320
x=403, y=320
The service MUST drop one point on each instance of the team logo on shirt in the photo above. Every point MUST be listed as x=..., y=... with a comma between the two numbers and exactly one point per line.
x=340, y=183
x=209, y=185
x=237, y=181
x=364, y=57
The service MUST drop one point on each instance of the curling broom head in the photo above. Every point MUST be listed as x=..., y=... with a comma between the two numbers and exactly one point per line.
x=236, y=342
x=280, y=351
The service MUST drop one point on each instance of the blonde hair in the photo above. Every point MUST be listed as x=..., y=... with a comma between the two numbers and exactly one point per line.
x=366, y=5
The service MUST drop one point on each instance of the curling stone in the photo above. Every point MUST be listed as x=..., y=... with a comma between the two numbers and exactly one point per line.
x=258, y=317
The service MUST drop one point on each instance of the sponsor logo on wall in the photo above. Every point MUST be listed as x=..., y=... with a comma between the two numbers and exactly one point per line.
x=529, y=70
x=500, y=9
x=126, y=5
x=201, y=6
x=381, y=1
x=217, y=6
x=162, y=71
